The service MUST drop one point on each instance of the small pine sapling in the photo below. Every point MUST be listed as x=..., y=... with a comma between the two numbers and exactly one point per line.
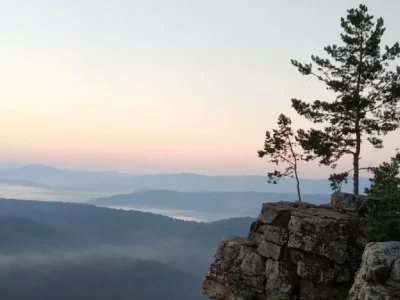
x=281, y=146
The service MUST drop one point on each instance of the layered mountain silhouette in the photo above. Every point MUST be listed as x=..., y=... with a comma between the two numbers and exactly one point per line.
x=115, y=182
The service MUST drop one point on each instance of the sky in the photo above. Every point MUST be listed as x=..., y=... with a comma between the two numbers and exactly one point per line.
x=163, y=86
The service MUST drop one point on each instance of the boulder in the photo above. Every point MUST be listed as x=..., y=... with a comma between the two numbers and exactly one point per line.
x=378, y=276
x=347, y=202
x=277, y=214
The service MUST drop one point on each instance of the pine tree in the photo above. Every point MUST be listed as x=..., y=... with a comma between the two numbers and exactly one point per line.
x=281, y=146
x=367, y=92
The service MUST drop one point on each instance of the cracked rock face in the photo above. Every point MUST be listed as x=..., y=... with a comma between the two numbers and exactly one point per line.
x=294, y=248
x=379, y=275
x=237, y=269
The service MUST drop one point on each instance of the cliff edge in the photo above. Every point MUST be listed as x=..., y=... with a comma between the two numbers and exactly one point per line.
x=302, y=250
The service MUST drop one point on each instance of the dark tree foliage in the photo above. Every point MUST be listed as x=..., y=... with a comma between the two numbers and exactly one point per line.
x=367, y=90
x=382, y=220
x=97, y=279
x=337, y=180
x=386, y=179
x=281, y=145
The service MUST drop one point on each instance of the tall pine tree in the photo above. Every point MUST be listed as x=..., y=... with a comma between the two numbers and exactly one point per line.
x=367, y=90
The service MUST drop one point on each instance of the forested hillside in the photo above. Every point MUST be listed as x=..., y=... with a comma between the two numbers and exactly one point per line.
x=55, y=250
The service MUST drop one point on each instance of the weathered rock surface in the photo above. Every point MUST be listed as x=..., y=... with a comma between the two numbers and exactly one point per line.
x=299, y=249
x=236, y=270
x=379, y=275
x=347, y=202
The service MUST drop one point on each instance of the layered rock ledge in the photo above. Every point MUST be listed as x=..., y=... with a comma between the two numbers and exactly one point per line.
x=302, y=250
x=379, y=275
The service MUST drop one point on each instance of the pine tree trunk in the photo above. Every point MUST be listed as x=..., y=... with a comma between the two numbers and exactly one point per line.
x=356, y=160
x=294, y=155
x=298, y=184
x=356, y=174
x=298, y=190
x=356, y=157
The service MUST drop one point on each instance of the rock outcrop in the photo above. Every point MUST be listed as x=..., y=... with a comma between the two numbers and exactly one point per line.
x=379, y=275
x=302, y=250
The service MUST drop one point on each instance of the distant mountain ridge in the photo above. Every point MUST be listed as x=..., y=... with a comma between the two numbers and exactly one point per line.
x=230, y=203
x=23, y=182
x=116, y=182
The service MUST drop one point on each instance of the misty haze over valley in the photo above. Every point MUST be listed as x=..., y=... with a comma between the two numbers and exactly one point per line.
x=67, y=233
x=185, y=196
x=194, y=150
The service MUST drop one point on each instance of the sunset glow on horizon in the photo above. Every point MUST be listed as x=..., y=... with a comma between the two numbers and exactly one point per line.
x=162, y=86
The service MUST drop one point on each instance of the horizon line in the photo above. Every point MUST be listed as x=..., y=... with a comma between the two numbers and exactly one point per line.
x=20, y=165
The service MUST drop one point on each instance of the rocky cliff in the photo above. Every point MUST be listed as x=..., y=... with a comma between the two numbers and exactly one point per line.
x=379, y=275
x=304, y=251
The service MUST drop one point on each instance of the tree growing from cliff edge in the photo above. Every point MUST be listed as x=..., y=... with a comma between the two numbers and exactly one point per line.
x=367, y=90
x=281, y=146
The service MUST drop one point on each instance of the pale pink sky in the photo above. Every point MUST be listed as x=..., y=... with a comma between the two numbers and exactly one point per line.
x=161, y=86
